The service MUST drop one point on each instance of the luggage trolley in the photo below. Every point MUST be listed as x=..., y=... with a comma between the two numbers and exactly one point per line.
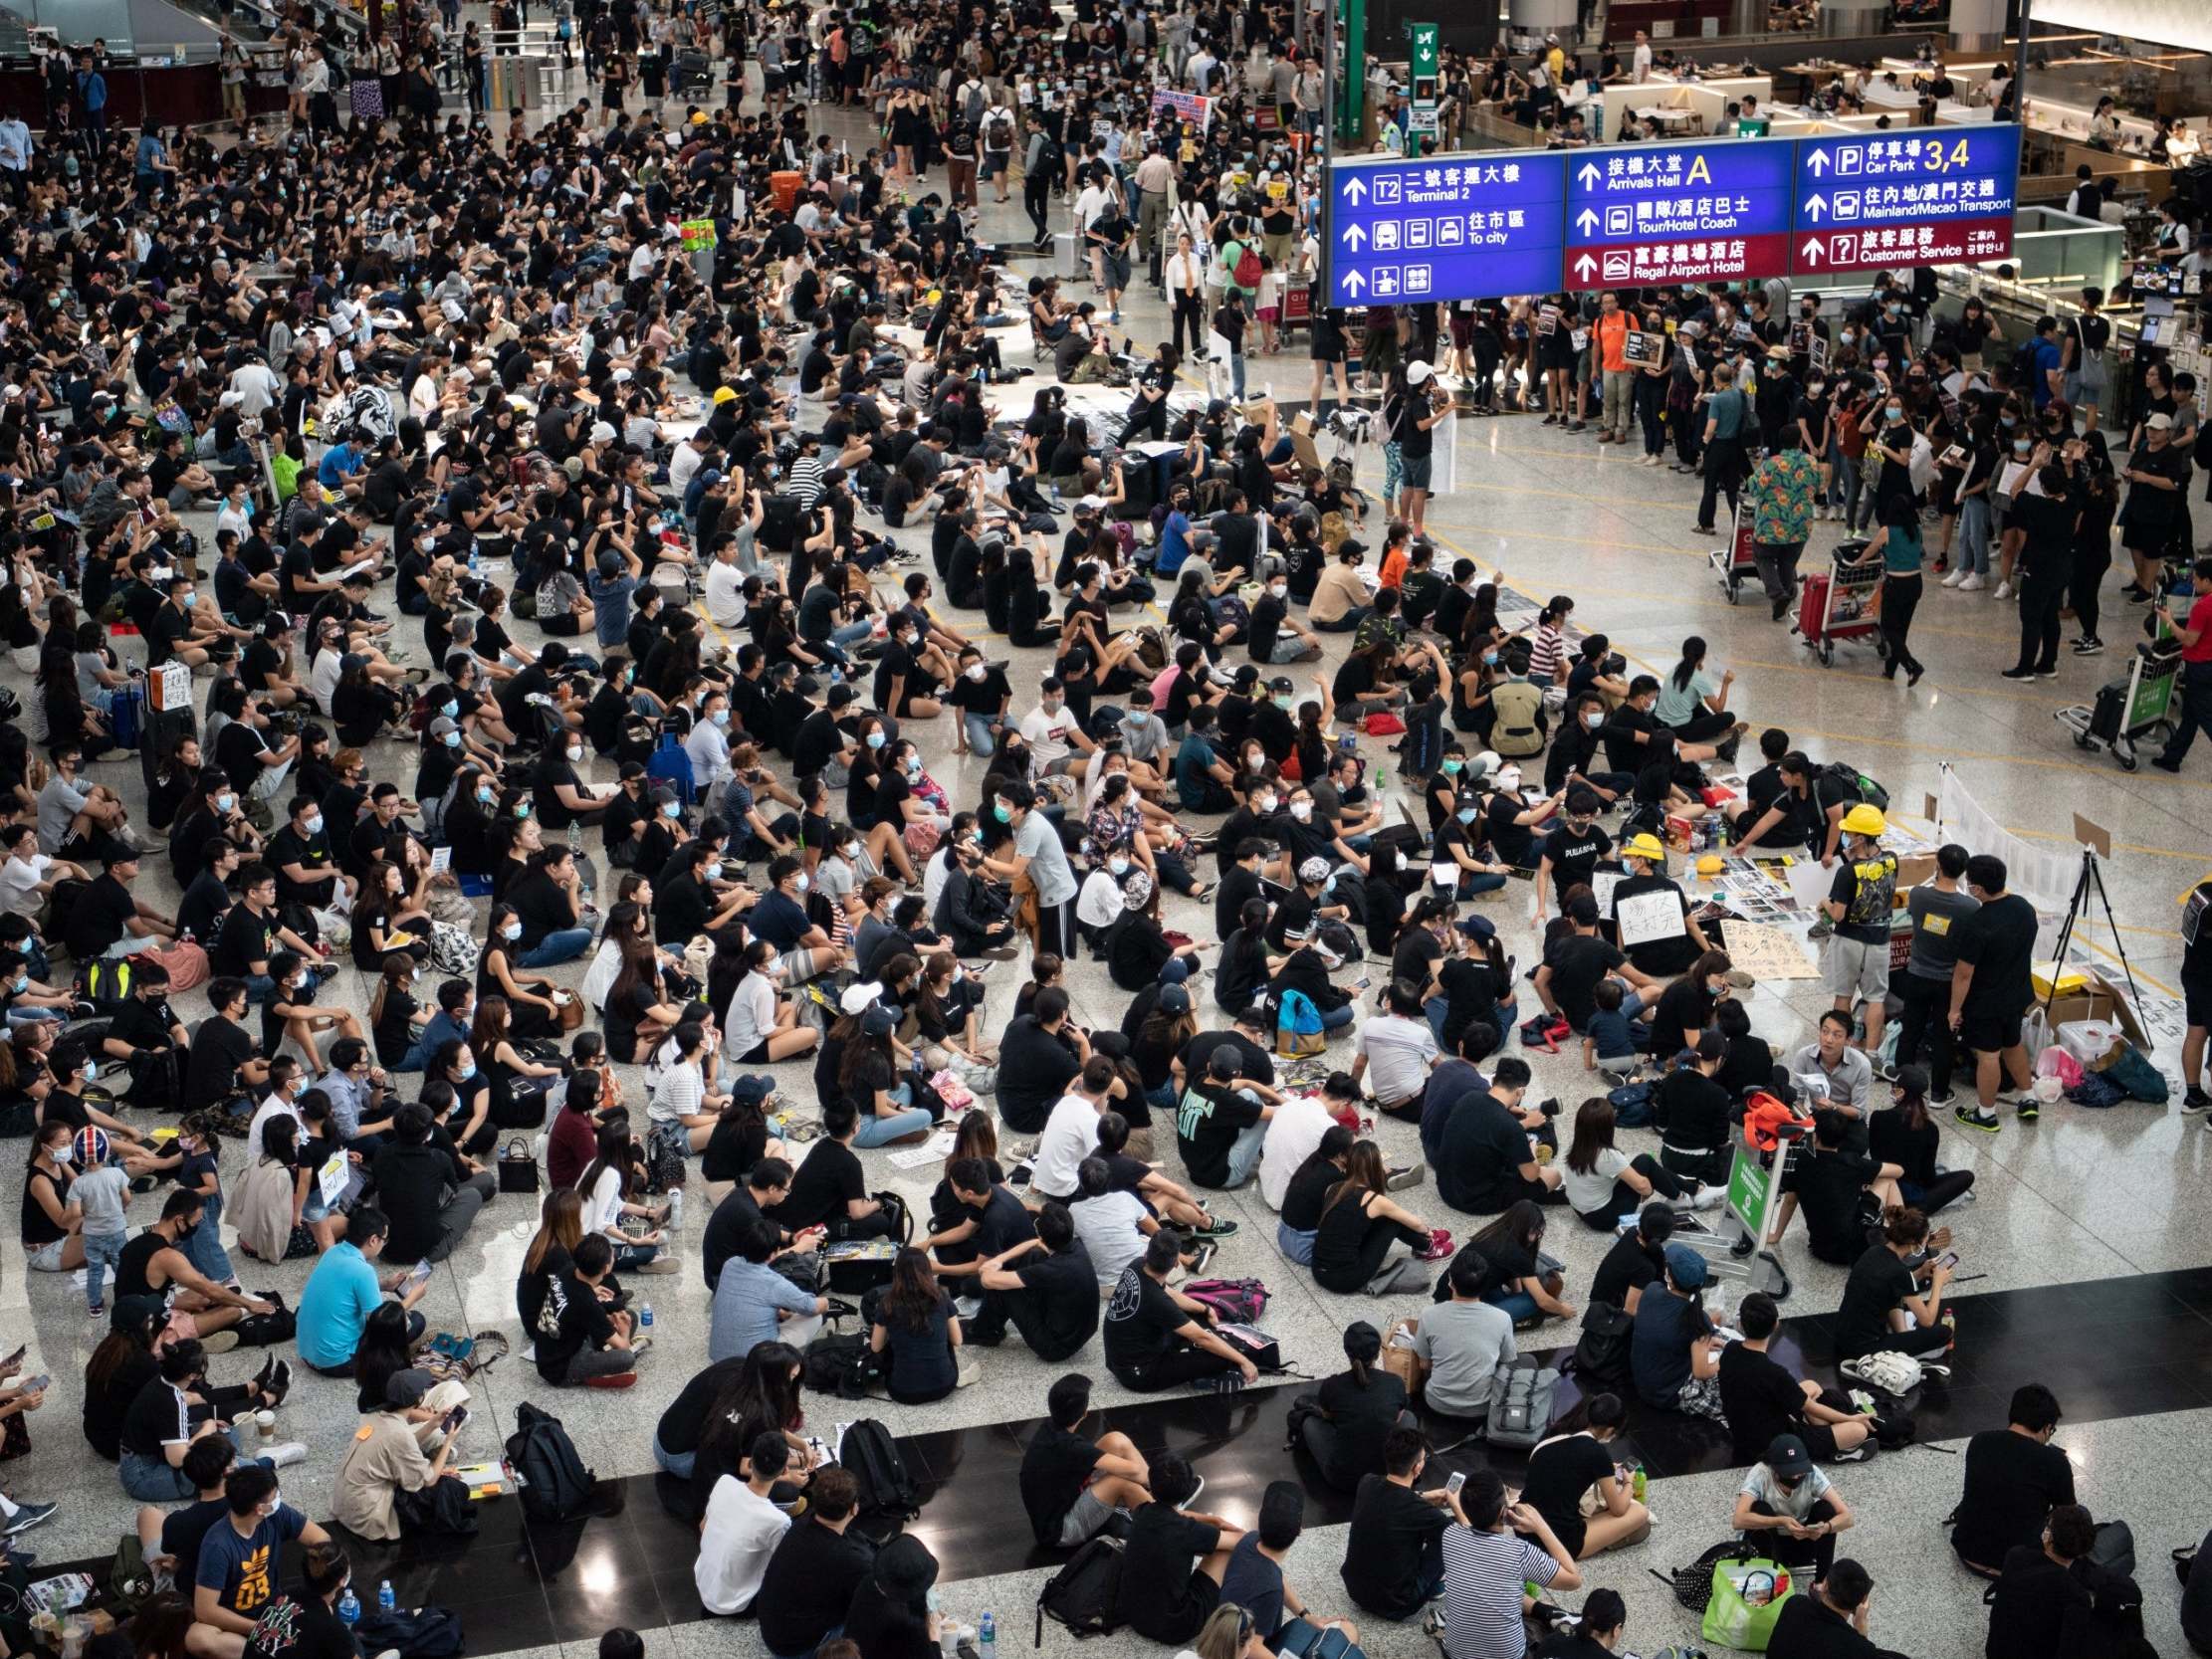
x=1741, y=1245
x=1845, y=603
x=2131, y=710
x=1732, y=563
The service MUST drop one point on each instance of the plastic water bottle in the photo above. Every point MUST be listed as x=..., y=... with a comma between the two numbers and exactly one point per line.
x=674, y=1217
x=987, y=1636
x=645, y=1317
x=476, y=562
x=350, y=1608
x=385, y=1601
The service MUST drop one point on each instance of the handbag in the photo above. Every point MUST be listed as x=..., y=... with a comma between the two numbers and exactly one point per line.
x=518, y=1170
x=1747, y=1598
x=1403, y=1360
x=570, y=1007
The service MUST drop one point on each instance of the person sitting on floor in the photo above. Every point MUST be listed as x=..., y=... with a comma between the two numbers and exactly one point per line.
x=1394, y=1550
x=1345, y=1423
x=591, y=1340
x=385, y=1487
x=1174, y=1559
x=1789, y=1511
x=1884, y=1306
x=1762, y=1400
x=1834, y=1183
x=1255, y=1579
x=1564, y=1469
x=2055, y=1601
x=1044, y=1286
x=1157, y=1339
x=1466, y=1339
x=1673, y=1350
x=2015, y=1478
x=1072, y=1486
x=741, y=1528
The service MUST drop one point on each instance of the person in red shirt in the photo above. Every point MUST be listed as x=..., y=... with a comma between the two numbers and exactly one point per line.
x=573, y=1141
x=1620, y=378
x=2195, y=636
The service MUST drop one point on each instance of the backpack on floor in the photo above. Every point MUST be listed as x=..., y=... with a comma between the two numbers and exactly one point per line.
x=1632, y=1105
x=1086, y=1594
x=417, y=1632
x=888, y=1498
x=266, y=1329
x=555, y=1483
x=1521, y=1411
x=1236, y=1301
x=453, y=951
x=1601, y=1357
x=841, y=1365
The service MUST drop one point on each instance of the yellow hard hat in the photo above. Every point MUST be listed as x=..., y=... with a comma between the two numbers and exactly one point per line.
x=726, y=394
x=1863, y=819
x=1646, y=846
x=1711, y=865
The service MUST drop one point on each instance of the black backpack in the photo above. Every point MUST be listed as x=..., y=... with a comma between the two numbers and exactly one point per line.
x=555, y=1484
x=841, y=1365
x=888, y=1498
x=1855, y=785
x=1086, y=1594
x=1601, y=1358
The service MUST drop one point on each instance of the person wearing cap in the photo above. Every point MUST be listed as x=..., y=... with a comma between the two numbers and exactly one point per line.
x=1674, y=1350
x=1789, y=1511
x=1859, y=899
x=1650, y=915
x=385, y=1487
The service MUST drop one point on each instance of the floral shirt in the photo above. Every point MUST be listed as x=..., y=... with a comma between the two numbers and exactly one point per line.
x=1781, y=491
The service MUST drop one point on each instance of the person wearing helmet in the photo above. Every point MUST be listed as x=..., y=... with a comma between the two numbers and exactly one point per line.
x=1857, y=963
x=1660, y=937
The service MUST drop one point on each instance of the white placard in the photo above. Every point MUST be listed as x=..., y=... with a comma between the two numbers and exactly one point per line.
x=1809, y=883
x=1646, y=918
x=331, y=1179
x=441, y=860
x=1602, y=884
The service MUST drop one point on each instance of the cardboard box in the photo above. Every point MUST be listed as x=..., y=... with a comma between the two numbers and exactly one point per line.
x=2067, y=981
x=2100, y=1000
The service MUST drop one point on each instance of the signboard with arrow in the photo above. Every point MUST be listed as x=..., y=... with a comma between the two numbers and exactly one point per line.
x=1407, y=232
x=1933, y=196
x=1678, y=212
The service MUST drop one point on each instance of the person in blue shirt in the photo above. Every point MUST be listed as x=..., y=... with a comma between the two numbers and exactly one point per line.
x=1174, y=534
x=341, y=462
x=2048, y=358
x=451, y=1023
x=780, y=917
x=240, y=1569
x=343, y=1291
x=150, y=165
x=1201, y=776
x=611, y=586
x=755, y=1303
x=91, y=92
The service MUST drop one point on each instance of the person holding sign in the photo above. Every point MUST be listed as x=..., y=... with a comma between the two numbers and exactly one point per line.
x=1650, y=915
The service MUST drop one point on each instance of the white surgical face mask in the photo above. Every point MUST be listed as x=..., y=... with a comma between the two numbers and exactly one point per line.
x=1301, y=810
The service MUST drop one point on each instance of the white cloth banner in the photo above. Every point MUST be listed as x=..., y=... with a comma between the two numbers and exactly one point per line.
x=2044, y=876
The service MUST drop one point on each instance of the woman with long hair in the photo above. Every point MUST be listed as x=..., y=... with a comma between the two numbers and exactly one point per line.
x=867, y=1074
x=1520, y=1280
x=392, y=1007
x=1576, y=1459
x=551, y=1254
x=1360, y=1221
x=606, y=1184
x=764, y=1024
x=948, y=1010
x=1691, y=702
x=638, y=1012
x=531, y=1007
x=1603, y=1184
x=916, y=1333
x=1345, y=1423
x=121, y=1366
x=385, y=1347
x=387, y=918
x=762, y=1397
x=1898, y=546
x=1904, y=1134
x=519, y=1083
x=265, y=1196
x=1910, y=1283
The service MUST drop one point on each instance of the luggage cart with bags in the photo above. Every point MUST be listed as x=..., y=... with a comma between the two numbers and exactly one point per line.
x=1732, y=561
x=695, y=71
x=1739, y=1245
x=1842, y=603
x=2130, y=710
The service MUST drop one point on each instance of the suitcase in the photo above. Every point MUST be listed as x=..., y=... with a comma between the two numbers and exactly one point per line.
x=779, y=521
x=1812, y=605
x=1137, y=480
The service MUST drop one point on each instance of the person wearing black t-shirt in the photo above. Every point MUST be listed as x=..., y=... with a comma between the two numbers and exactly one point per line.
x=1044, y=1286
x=1576, y=1459
x=832, y=1189
x=1833, y=1186
x=810, y=1578
x=1174, y=1559
x=1762, y=1400
x=2015, y=1477
x=1694, y=1116
x=1345, y=1423
x=105, y=914
x=1071, y=1484
x=1882, y=1289
x=1991, y=990
x=1577, y=959
x=1636, y=1260
x=1394, y=1552
x=1157, y=1339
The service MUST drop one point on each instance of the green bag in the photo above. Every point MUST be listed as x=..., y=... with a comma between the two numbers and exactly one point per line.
x=1747, y=1598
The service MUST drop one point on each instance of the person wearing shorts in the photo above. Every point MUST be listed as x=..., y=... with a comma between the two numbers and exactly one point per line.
x=1996, y=949
x=1859, y=904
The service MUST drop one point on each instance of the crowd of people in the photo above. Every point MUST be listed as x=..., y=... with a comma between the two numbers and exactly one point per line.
x=677, y=850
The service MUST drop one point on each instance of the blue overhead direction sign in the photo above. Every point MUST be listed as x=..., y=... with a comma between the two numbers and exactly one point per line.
x=1709, y=211
x=1460, y=228
x=1931, y=196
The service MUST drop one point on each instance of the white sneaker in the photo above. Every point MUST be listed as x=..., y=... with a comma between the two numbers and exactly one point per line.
x=1973, y=583
x=1954, y=578
x=285, y=1453
x=1708, y=1196
x=2004, y=591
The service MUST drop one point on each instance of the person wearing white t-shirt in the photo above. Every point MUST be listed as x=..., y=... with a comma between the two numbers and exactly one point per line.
x=708, y=746
x=281, y=1101
x=1293, y=1135
x=741, y=1528
x=29, y=874
x=1399, y=1047
x=1640, y=64
x=688, y=458
x=1071, y=1131
x=726, y=606
x=1050, y=728
x=1112, y=1222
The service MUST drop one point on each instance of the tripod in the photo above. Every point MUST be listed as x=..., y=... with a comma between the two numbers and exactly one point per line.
x=2076, y=908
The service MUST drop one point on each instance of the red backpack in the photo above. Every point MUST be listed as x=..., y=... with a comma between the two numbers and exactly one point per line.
x=1248, y=271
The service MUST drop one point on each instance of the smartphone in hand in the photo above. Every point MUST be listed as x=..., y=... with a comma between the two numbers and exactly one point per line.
x=1459, y=1479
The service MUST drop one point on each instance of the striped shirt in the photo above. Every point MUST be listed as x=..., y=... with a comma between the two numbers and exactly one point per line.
x=805, y=481
x=1482, y=1577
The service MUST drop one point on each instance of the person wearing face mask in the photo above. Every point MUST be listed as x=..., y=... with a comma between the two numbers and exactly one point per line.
x=182, y=633
x=559, y=796
x=237, y=1577
x=299, y=852
x=1275, y=635
x=1890, y=447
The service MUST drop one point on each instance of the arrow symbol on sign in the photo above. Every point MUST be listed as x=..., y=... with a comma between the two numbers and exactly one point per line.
x=1813, y=250
x=1818, y=161
x=1816, y=206
x=1589, y=175
x=1354, y=190
x=1585, y=221
x=1354, y=282
x=1583, y=265
x=1354, y=236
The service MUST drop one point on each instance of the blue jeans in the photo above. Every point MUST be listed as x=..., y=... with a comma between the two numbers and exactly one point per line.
x=1435, y=1008
x=1473, y=882
x=150, y=1480
x=565, y=946
x=634, y=1255
x=1244, y=1156
x=679, y=1466
x=1236, y=374
x=101, y=1252
x=1295, y=1245
x=203, y=1245
x=1973, y=534
x=877, y=1131
x=1162, y=1099
x=1336, y=1019
x=980, y=739
x=1517, y=1305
